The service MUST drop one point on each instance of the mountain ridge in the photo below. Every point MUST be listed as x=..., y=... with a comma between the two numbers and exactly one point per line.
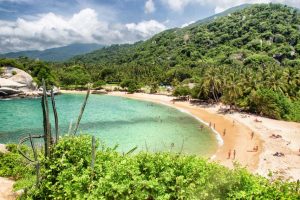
x=221, y=14
x=193, y=43
x=56, y=54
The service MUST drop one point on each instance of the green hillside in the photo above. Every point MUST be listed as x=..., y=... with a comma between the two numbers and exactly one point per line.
x=237, y=59
x=221, y=14
x=271, y=30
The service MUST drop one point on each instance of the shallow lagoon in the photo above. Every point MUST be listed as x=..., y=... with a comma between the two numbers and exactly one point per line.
x=115, y=120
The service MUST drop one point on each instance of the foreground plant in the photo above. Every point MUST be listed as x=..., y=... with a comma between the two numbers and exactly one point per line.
x=146, y=176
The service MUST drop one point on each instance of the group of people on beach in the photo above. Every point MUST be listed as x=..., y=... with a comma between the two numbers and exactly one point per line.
x=229, y=154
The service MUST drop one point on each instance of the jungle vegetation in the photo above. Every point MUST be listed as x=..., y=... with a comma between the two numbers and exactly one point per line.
x=70, y=175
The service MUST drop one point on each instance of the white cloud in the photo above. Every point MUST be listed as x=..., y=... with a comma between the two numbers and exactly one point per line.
x=221, y=5
x=149, y=6
x=146, y=28
x=17, y=1
x=178, y=5
x=186, y=24
x=51, y=30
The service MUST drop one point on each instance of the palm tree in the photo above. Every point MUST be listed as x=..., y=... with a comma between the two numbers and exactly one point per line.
x=212, y=83
x=233, y=90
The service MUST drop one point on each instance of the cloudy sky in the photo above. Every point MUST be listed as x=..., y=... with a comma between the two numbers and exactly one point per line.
x=41, y=24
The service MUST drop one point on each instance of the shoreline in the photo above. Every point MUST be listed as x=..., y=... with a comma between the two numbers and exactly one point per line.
x=231, y=140
x=239, y=128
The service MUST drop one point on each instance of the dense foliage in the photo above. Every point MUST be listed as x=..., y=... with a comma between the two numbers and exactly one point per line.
x=16, y=167
x=230, y=59
x=69, y=175
x=37, y=69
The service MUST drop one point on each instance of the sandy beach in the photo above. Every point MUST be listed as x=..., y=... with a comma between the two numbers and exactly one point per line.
x=239, y=129
x=269, y=135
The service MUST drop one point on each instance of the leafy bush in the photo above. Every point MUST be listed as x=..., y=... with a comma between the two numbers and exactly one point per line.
x=98, y=84
x=69, y=175
x=75, y=75
x=270, y=103
x=182, y=91
x=131, y=85
x=295, y=111
x=13, y=165
x=259, y=60
x=9, y=62
x=154, y=88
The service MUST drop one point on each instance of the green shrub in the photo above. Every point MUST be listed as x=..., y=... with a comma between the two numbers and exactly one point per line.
x=13, y=165
x=182, y=91
x=68, y=175
x=294, y=115
x=154, y=88
x=259, y=60
x=131, y=85
x=271, y=104
x=98, y=84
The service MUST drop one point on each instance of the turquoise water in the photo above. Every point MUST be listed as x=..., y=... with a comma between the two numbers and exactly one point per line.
x=115, y=120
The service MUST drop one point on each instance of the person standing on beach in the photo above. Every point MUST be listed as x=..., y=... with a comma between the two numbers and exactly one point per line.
x=234, y=152
x=229, y=154
x=252, y=135
x=224, y=132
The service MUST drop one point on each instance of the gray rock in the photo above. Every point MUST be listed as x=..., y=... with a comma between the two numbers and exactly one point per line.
x=10, y=91
x=10, y=83
x=19, y=76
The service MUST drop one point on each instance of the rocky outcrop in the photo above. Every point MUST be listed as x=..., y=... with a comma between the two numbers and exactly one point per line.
x=16, y=83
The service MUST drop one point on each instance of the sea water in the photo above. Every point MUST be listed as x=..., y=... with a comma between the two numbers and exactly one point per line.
x=114, y=120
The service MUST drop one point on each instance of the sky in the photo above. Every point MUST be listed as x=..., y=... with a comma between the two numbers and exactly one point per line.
x=43, y=24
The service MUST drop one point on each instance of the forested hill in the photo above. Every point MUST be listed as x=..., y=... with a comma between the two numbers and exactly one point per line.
x=260, y=33
x=249, y=59
x=55, y=54
x=221, y=14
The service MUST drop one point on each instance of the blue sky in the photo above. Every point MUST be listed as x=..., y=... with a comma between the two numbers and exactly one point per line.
x=41, y=24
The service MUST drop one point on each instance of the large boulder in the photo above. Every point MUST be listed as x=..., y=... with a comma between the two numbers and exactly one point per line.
x=19, y=76
x=10, y=84
x=15, y=83
x=6, y=91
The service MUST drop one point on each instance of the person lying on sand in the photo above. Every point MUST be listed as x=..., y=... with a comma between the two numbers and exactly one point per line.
x=275, y=136
x=278, y=154
x=257, y=120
